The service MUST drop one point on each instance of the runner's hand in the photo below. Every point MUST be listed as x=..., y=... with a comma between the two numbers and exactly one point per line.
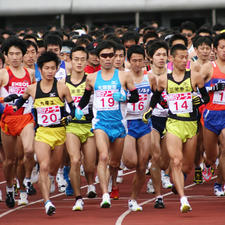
x=119, y=97
x=197, y=101
x=78, y=113
x=66, y=120
x=11, y=97
x=147, y=115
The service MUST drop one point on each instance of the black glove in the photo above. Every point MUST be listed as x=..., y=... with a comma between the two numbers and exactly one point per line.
x=197, y=101
x=147, y=115
x=218, y=87
x=66, y=120
x=11, y=97
x=163, y=103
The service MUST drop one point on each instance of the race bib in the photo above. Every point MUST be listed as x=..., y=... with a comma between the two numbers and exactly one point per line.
x=180, y=103
x=49, y=115
x=219, y=97
x=105, y=101
x=141, y=105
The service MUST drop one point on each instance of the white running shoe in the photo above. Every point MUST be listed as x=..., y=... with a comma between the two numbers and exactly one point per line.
x=150, y=188
x=133, y=206
x=49, y=208
x=110, y=185
x=82, y=173
x=79, y=205
x=91, y=191
x=35, y=174
x=119, y=178
x=96, y=180
x=61, y=181
x=165, y=180
x=52, y=184
x=23, y=198
x=218, y=190
x=185, y=206
x=106, y=203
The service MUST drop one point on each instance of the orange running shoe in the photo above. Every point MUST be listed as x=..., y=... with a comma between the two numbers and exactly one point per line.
x=115, y=193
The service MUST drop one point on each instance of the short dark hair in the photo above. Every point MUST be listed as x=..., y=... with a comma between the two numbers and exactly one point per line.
x=30, y=36
x=52, y=40
x=120, y=47
x=155, y=46
x=151, y=34
x=47, y=57
x=199, y=40
x=217, y=39
x=178, y=37
x=204, y=30
x=31, y=43
x=78, y=48
x=188, y=25
x=14, y=41
x=135, y=49
x=105, y=44
x=2, y=57
x=177, y=47
x=130, y=35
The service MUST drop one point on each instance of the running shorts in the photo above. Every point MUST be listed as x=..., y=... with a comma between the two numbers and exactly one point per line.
x=159, y=124
x=182, y=129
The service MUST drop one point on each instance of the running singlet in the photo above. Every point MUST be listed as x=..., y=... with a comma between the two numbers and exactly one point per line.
x=217, y=98
x=77, y=91
x=18, y=86
x=61, y=73
x=136, y=110
x=105, y=108
x=48, y=107
x=180, y=98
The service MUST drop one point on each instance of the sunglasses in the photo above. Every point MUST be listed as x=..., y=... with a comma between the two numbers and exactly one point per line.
x=106, y=55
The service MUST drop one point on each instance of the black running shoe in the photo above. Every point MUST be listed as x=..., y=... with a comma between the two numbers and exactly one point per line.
x=159, y=204
x=30, y=189
x=10, y=202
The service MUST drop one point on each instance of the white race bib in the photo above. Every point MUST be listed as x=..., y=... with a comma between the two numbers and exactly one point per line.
x=180, y=103
x=219, y=97
x=105, y=101
x=49, y=115
x=138, y=107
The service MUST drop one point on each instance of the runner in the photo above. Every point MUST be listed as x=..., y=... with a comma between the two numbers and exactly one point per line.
x=78, y=132
x=48, y=95
x=109, y=111
x=138, y=140
x=15, y=79
x=181, y=126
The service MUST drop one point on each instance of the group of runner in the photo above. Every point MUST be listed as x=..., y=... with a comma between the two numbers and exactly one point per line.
x=125, y=99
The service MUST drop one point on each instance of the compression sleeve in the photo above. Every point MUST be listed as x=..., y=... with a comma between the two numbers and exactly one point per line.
x=205, y=95
x=155, y=98
x=85, y=99
x=72, y=108
x=134, y=96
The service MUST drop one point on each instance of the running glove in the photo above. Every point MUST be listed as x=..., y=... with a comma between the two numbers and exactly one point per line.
x=119, y=97
x=11, y=97
x=78, y=113
x=147, y=115
x=197, y=101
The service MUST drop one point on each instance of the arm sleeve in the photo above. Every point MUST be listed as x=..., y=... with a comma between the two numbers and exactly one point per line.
x=155, y=98
x=19, y=103
x=134, y=96
x=85, y=99
x=72, y=108
x=205, y=95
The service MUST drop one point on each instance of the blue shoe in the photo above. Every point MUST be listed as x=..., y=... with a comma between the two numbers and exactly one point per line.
x=218, y=190
x=69, y=189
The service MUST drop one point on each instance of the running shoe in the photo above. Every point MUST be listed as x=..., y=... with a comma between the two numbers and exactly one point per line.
x=0, y=195
x=150, y=188
x=218, y=190
x=165, y=180
x=207, y=173
x=16, y=189
x=174, y=190
x=69, y=189
x=49, y=208
x=106, y=203
x=10, y=201
x=30, y=188
x=119, y=178
x=23, y=198
x=115, y=193
x=61, y=182
x=185, y=206
x=79, y=205
x=35, y=174
x=82, y=172
x=91, y=191
x=198, y=176
x=133, y=206
x=159, y=203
